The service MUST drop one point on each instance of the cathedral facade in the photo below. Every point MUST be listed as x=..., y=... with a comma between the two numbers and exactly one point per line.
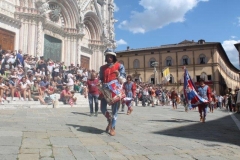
x=72, y=31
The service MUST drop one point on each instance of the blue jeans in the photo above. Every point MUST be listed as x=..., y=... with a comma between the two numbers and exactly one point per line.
x=92, y=97
x=105, y=112
x=220, y=104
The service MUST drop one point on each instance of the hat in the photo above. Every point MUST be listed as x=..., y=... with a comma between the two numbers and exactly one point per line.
x=109, y=52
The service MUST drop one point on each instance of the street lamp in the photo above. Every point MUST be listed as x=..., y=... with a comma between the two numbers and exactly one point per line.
x=154, y=64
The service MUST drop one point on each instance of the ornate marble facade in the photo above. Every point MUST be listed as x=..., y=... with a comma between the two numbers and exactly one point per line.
x=85, y=28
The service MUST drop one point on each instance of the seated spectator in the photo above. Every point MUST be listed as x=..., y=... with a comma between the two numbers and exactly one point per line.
x=13, y=86
x=72, y=99
x=65, y=95
x=25, y=89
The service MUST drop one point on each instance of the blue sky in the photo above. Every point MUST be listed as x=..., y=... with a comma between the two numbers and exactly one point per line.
x=149, y=23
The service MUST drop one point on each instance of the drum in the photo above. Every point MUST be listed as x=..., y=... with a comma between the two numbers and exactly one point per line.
x=112, y=92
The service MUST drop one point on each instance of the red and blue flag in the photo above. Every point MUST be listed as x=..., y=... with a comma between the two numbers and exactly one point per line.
x=192, y=97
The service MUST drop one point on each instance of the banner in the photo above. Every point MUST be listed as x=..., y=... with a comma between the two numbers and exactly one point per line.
x=192, y=97
x=166, y=74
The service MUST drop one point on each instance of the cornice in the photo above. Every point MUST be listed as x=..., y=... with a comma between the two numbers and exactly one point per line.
x=10, y=21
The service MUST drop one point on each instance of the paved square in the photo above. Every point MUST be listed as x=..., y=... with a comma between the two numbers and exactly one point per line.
x=148, y=133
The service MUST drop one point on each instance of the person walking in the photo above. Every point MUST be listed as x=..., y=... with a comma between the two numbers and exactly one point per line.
x=205, y=92
x=92, y=93
x=174, y=97
x=111, y=75
x=130, y=91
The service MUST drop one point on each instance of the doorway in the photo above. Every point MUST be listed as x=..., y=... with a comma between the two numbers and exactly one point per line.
x=85, y=61
x=7, y=39
x=52, y=48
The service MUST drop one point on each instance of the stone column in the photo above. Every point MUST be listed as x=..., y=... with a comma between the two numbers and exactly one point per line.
x=39, y=39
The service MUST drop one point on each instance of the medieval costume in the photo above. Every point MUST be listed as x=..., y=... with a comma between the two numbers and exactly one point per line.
x=205, y=92
x=112, y=76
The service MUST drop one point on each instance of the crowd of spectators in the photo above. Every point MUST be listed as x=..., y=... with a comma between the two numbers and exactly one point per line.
x=30, y=78
x=26, y=77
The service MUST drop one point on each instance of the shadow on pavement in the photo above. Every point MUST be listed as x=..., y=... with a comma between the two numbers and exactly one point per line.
x=87, y=129
x=85, y=114
x=174, y=120
x=221, y=130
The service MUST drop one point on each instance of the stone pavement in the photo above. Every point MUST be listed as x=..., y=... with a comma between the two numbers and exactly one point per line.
x=148, y=133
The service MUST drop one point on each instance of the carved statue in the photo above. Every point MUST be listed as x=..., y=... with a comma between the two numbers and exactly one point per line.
x=44, y=8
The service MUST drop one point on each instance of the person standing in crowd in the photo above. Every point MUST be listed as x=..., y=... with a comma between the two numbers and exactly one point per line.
x=229, y=100
x=110, y=72
x=130, y=91
x=145, y=95
x=19, y=58
x=213, y=102
x=220, y=101
x=205, y=92
x=174, y=97
x=152, y=96
x=92, y=93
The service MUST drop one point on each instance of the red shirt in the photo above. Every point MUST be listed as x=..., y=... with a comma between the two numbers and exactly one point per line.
x=92, y=86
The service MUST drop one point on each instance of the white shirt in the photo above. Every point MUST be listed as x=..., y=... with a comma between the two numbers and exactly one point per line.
x=220, y=98
x=70, y=82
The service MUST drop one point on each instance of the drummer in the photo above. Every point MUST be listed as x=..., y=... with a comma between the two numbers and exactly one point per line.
x=113, y=70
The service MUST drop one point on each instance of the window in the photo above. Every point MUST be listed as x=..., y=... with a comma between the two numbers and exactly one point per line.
x=136, y=63
x=168, y=61
x=171, y=79
x=198, y=77
x=202, y=59
x=151, y=61
x=185, y=60
x=209, y=77
x=121, y=62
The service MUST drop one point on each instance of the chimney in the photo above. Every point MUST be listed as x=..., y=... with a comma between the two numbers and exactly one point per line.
x=201, y=41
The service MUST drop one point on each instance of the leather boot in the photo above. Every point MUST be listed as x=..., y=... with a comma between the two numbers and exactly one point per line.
x=112, y=132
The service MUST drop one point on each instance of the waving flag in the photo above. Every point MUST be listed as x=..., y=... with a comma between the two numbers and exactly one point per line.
x=192, y=97
x=166, y=74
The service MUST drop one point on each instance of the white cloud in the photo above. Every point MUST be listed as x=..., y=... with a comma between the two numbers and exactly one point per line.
x=233, y=37
x=157, y=14
x=121, y=42
x=231, y=51
x=116, y=9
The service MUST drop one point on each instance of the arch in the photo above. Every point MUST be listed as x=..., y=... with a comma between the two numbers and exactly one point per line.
x=69, y=12
x=204, y=76
x=136, y=63
x=93, y=23
x=202, y=59
x=169, y=61
x=185, y=60
x=151, y=61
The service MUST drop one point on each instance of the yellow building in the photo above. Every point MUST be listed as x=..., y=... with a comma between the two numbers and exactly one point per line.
x=202, y=59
